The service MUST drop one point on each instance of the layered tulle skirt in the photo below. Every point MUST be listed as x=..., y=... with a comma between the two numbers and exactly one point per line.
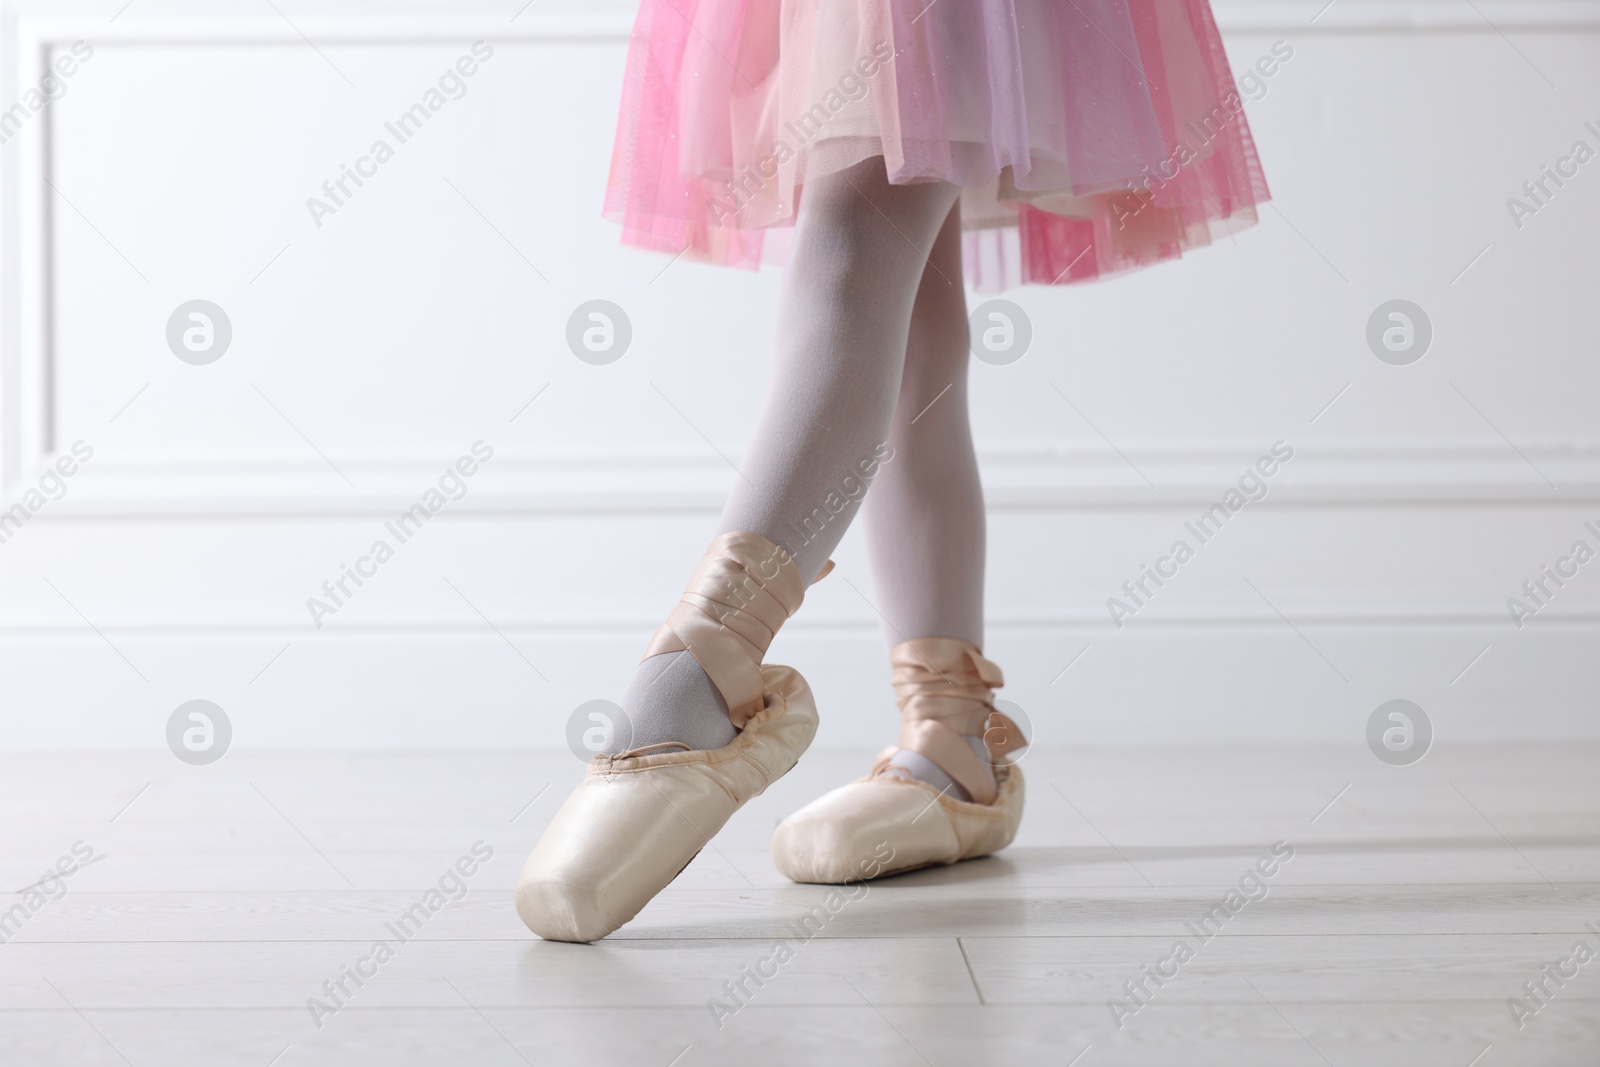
x=1089, y=136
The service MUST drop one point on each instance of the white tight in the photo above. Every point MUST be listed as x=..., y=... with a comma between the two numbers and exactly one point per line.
x=871, y=356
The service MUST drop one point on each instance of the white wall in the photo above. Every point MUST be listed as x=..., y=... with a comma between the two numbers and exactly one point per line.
x=415, y=322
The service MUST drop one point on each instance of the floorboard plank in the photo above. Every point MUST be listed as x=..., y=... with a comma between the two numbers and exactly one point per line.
x=1417, y=902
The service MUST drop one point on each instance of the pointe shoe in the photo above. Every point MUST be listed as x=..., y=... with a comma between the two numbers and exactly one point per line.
x=889, y=822
x=638, y=818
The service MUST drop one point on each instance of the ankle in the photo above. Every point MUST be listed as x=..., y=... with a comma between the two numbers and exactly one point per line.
x=671, y=698
x=925, y=770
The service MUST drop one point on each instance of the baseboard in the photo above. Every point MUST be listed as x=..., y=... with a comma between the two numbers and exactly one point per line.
x=1245, y=681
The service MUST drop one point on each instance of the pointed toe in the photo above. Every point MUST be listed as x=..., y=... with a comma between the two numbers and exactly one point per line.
x=887, y=825
x=559, y=911
x=635, y=822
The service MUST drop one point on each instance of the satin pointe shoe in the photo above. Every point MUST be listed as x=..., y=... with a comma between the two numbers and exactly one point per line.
x=890, y=822
x=638, y=818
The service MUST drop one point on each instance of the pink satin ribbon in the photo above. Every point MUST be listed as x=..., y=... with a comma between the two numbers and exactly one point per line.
x=745, y=588
x=946, y=689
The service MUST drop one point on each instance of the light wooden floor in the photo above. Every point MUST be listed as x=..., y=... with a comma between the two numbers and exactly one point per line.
x=1416, y=904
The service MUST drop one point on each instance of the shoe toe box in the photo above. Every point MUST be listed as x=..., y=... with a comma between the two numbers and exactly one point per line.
x=563, y=911
x=863, y=830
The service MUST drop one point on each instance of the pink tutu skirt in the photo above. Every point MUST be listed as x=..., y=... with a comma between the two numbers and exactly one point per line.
x=1089, y=136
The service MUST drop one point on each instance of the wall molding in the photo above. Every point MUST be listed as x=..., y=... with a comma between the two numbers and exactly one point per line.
x=416, y=668
x=1018, y=476
x=1048, y=478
